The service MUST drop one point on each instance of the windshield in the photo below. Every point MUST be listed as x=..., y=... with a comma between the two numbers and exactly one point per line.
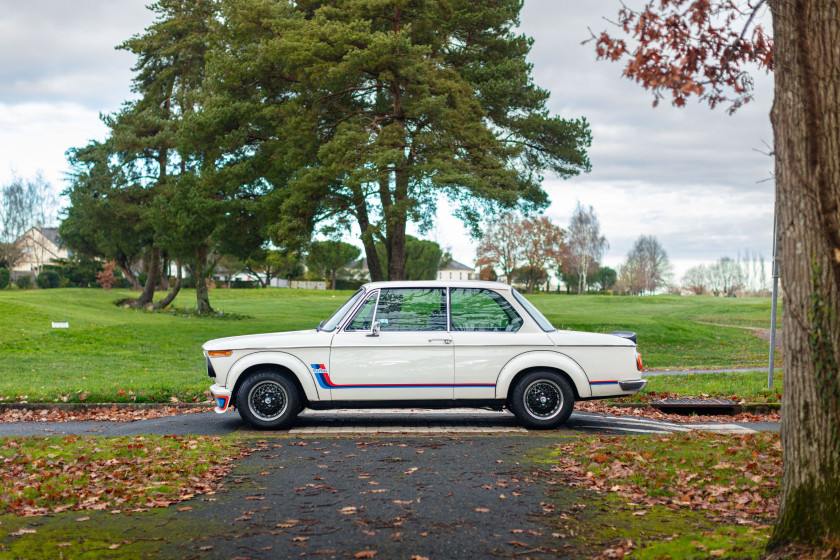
x=533, y=312
x=336, y=318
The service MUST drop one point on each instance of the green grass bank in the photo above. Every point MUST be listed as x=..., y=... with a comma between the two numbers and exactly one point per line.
x=112, y=354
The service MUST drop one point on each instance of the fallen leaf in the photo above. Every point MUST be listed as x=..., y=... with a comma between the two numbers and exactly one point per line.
x=365, y=554
x=482, y=510
x=23, y=531
x=300, y=539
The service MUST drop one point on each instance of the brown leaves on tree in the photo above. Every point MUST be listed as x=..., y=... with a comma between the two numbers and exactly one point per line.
x=690, y=47
x=50, y=475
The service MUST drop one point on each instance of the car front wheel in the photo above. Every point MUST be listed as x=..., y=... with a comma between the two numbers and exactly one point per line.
x=542, y=400
x=268, y=400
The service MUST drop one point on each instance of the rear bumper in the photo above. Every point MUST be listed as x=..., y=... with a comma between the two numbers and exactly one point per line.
x=221, y=396
x=634, y=385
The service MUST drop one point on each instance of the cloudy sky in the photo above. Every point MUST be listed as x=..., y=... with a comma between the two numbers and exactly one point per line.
x=697, y=179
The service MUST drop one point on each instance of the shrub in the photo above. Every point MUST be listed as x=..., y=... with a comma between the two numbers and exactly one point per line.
x=244, y=284
x=341, y=284
x=48, y=279
x=5, y=278
x=105, y=277
x=78, y=271
x=24, y=282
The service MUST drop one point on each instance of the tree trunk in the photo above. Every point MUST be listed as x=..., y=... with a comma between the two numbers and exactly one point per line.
x=125, y=268
x=395, y=242
x=806, y=126
x=173, y=292
x=151, y=278
x=164, y=271
x=202, y=298
x=368, y=241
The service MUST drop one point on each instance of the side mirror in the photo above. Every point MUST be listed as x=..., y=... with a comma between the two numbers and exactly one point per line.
x=320, y=326
x=375, y=328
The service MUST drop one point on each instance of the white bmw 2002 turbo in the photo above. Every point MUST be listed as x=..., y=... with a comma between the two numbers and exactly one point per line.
x=424, y=344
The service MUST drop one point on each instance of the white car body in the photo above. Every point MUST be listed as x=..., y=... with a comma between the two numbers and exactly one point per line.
x=467, y=352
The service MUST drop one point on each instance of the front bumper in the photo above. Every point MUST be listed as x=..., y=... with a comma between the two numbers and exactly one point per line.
x=634, y=385
x=222, y=397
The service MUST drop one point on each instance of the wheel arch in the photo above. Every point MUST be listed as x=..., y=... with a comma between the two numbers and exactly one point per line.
x=556, y=362
x=280, y=362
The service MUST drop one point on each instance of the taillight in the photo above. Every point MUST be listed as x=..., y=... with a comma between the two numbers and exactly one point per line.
x=639, y=365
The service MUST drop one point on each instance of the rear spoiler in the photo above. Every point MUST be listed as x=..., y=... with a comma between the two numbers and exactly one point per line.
x=625, y=334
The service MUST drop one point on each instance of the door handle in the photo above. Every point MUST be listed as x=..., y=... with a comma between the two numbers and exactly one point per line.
x=444, y=340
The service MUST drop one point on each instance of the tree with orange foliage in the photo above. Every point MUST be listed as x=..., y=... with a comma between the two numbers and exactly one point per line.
x=702, y=48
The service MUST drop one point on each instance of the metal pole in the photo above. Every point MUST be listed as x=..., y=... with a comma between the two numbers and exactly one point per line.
x=775, y=294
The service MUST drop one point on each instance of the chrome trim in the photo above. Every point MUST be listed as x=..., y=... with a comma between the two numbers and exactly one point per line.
x=633, y=384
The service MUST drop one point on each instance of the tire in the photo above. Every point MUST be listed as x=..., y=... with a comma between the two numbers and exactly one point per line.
x=542, y=400
x=268, y=400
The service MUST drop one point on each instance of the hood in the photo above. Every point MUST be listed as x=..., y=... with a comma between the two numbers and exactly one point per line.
x=292, y=339
x=579, y=338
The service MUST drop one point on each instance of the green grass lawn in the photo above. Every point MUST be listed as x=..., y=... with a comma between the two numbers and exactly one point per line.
x=674, y=332
x=114, y=354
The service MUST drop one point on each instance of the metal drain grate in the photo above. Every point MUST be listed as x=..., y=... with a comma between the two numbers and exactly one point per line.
x=697, y=406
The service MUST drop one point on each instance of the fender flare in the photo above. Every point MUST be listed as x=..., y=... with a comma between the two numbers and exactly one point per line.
x=288, y=361
x=543, y=359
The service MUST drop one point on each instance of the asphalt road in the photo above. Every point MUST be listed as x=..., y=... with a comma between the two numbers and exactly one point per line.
x=403, y=483
x=432, y=497
x=372, y=422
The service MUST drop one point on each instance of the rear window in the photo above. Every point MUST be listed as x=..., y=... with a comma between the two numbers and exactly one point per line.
x=533, y=312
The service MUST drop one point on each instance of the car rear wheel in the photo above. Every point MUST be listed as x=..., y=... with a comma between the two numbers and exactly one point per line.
x=268, y=400
x=542, y=400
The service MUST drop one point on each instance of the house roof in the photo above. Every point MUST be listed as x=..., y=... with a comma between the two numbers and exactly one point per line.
x=455, y=265
x=51, y=233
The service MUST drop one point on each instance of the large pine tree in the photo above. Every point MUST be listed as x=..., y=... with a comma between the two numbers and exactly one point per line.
x=368, y=111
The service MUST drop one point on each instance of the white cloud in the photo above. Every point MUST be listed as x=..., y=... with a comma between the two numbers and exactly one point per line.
x=689, y=176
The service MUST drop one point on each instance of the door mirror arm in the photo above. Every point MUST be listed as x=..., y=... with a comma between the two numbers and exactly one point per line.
x=374, y=329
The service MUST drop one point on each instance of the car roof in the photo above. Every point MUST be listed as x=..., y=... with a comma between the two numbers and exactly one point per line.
x=498, y=286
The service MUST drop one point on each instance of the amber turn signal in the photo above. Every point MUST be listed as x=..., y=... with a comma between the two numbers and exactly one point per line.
x=219, y=353
x=639, y=365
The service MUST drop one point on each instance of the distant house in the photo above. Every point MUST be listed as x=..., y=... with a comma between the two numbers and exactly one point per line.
x=456, y=271
x=357, y=270
x=38, y=246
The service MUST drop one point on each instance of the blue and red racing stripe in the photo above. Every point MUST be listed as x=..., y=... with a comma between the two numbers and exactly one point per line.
x=323, y=377
x=603, y=382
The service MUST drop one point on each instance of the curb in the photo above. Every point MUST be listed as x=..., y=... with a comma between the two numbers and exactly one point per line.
x=745, y=407
x=93, y=406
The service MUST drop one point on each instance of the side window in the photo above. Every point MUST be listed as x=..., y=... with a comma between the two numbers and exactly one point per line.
x=364, y=317
x=412, y=309
x=478, y=309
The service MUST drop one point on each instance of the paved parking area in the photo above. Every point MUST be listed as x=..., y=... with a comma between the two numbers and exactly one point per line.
x=368, y=422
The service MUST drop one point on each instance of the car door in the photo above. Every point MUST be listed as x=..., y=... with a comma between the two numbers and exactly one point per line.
x=487, y=333
x=411, y=356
